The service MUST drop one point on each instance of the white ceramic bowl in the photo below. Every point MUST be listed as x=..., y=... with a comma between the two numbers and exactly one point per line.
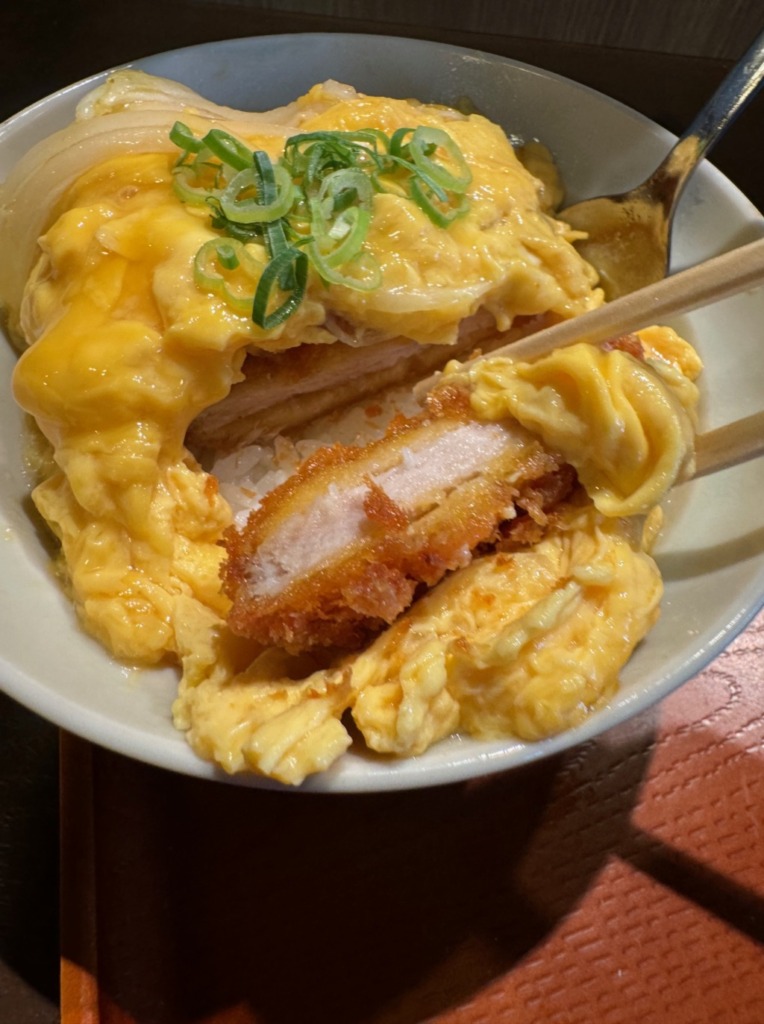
x=711, y=552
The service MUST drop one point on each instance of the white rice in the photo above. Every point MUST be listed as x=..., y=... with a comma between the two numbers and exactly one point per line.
x=248, y=474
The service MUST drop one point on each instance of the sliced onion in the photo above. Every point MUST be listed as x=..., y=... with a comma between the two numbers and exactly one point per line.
x=131, y=112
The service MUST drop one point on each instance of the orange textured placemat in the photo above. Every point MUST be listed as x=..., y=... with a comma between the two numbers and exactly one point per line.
x=623, y=882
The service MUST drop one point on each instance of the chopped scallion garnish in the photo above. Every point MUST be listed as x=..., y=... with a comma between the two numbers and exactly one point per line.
x=229, y=150
x=313, y=207
x=289, y=268
x=242, y=201
x=182, y=137
x=425, y=145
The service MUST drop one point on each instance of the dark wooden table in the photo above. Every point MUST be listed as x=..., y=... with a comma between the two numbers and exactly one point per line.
x=560, y=880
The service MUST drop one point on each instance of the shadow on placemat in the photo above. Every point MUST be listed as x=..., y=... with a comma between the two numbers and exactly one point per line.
x=295, y=907
x=700, y=883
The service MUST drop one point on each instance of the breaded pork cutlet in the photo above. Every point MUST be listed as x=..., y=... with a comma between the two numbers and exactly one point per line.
x=340, y=549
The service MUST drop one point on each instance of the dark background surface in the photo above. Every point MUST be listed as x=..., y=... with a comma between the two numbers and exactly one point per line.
x=49, y=44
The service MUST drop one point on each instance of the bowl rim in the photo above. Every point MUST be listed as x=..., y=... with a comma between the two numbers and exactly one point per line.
x=126, y=739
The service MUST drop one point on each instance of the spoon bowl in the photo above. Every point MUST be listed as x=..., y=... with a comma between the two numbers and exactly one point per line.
x=627, y=237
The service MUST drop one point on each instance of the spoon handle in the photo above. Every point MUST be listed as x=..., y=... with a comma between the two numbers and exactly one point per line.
x=738, y=87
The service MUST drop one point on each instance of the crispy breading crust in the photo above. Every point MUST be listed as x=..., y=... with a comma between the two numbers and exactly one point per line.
x=369, y=582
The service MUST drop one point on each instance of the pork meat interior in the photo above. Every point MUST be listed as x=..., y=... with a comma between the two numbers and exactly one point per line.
x=341, y=548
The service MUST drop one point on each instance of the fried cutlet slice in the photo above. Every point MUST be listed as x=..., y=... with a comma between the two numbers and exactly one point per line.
x=341, y=548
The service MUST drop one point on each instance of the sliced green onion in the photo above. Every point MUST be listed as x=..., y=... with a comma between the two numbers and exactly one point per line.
x=362, y=273
x=312, y=155
x=219, y=254
x=343, y=188
x=432, y=202
x=241, y=232
x=347, y=146
x=182, y=137
x=349, y=229
x=255, y=209
x=370, y=136
x=183, y=178
x=292, y=263
x=228, y=256
x=228, y=149
x=313, y=208
x=266, y=175
x=426, y=141
x=396, y=147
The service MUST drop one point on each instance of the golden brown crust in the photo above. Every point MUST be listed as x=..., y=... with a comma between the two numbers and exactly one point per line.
x=629, y=343
x=380, y=508
x=371, y=580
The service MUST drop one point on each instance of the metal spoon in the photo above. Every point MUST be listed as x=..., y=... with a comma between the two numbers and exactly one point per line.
x=629, y=234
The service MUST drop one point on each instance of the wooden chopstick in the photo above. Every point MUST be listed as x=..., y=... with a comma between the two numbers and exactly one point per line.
x=715, y=279
x=729, y=445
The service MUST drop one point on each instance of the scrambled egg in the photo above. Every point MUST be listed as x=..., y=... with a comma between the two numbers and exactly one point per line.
x=506, y=254
x=627, y=427
x=523, y=643
x=125, y=350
